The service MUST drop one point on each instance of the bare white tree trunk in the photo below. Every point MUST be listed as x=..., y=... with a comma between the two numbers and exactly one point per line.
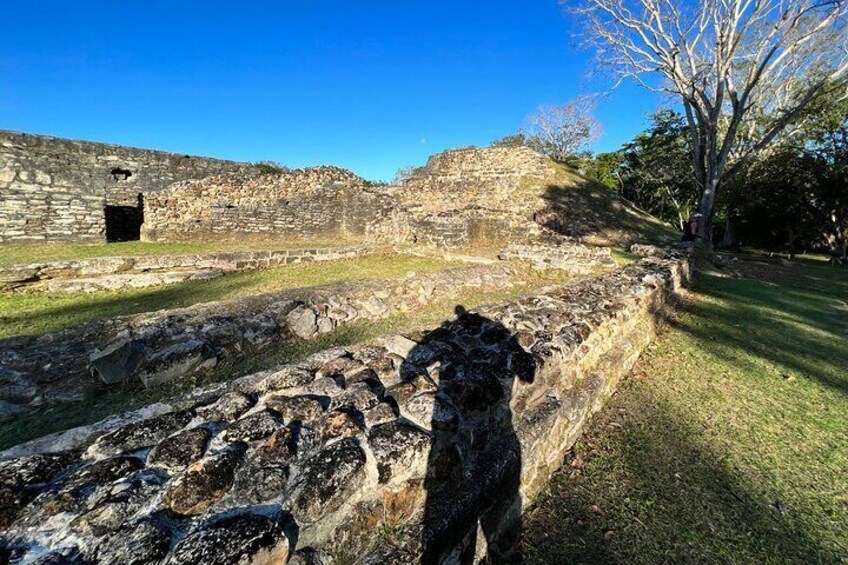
x=743, y=70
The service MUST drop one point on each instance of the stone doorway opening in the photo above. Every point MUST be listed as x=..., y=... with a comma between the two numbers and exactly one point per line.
x=123, y=223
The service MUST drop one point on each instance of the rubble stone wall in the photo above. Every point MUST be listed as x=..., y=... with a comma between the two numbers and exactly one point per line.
x=56, y=189
x=388, y=452
x=460, y=197
x=319, y=202
x=97, y=269
x=150, y=349
x=472, y=195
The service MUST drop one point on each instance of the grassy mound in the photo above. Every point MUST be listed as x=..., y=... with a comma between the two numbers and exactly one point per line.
x=580, y=207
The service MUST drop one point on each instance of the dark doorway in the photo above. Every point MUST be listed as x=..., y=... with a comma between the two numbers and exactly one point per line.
x=123, y=223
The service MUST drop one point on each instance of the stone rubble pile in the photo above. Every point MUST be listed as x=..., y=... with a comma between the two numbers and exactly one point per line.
x=386, y=452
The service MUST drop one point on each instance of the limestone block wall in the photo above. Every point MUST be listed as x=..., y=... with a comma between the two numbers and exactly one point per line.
x=319, y=202
x=471, y=195
x=388, y=452
x=56, y=189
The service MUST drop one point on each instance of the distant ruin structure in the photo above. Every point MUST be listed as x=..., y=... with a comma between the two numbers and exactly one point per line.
x=66, y=190
x=63, y=190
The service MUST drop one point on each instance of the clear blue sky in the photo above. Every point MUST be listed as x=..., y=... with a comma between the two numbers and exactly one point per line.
x=372, y=86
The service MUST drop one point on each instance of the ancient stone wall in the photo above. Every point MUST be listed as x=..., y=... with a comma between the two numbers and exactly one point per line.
x=111, y=273
x=58, y=189
x=460, y=197
x=472, y=195
x=319, y=202
x=149, y=349
x=390, y=452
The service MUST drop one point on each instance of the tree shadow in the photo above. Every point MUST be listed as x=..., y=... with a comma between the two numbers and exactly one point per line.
x=592, y=211
x=652, y=491
x=753, y=320
x=472, y=365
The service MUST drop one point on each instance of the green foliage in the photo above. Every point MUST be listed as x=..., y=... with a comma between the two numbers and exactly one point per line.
x=795, y=197
x=606, y=168
x=271, y=168
x=657, y=170
x=654, y=171
x=512, y=140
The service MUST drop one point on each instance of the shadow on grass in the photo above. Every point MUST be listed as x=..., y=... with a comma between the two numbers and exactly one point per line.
x=656, y=494
x=590, y=209
x=23, y=314
x=798, y=332
x=650, y=482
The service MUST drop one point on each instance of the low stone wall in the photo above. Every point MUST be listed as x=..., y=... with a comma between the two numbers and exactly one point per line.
x=567, y=256
x=158, y=347
x=396, y=451
x=88, y=272
x=319, y=202
x=57, y=189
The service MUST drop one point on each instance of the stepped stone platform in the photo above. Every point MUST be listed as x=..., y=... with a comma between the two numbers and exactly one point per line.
x=393, y=451
x=113, y=273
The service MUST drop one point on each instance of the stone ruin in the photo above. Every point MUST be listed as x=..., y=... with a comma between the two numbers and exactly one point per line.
x=66, y=190
x=62, y=190
x=461, y=197
x=417, y=447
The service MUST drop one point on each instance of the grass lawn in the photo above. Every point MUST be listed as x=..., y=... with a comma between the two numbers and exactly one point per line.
x=11, y=254
x=36, y=313
x=119, y=399
x=729, y=444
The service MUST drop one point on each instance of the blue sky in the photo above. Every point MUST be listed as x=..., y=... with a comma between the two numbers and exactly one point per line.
x=371, y=86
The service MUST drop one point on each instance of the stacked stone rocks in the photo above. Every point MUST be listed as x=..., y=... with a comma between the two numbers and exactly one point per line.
x=461, y=197
x=319, y=202
x=56, y=189
x=155, y=348
x=387, y=452
x=567, y=256
x=473, y=195
x=112, y=273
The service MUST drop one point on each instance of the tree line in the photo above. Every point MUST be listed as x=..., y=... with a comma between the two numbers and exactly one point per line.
x=754, y=145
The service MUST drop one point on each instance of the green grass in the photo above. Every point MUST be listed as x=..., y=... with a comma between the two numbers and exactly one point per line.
x=597, y=215
x=728, y=445
x=11, y=254
x=122, y=398
x=36, y=313
x=623, y=257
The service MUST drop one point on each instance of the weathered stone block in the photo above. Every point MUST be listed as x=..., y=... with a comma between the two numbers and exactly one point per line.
x=204, y=482
x=175, y=361
x=117, y=362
